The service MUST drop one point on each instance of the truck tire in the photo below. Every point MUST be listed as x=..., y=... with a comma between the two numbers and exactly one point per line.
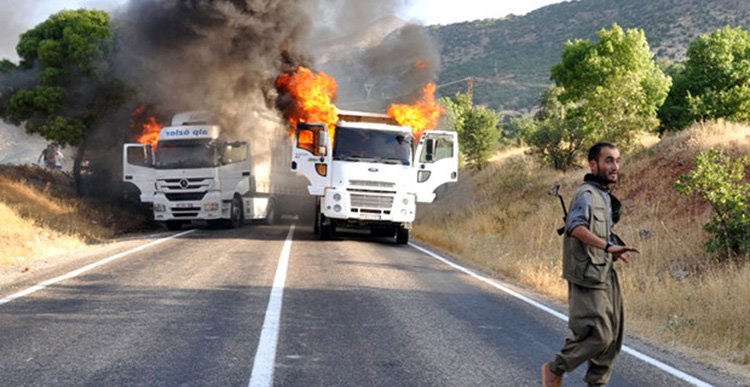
x=174, y=225
x=325, y=230
x=236, y=215
x=402, y=236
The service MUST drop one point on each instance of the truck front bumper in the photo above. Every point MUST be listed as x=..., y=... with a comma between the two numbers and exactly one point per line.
x=209, y=208
x=365, y=207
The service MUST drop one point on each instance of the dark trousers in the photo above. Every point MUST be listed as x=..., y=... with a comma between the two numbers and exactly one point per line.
x=596, y=322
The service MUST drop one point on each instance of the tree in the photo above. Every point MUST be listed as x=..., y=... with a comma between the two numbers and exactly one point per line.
x=557, y=138
x=477, y=128
x=64, y=99
x=515, y=129
x=713, y=83
x=718, y=179
x=613, y=87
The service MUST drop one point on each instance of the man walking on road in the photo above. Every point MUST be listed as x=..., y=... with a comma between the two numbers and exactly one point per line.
x=589, y=251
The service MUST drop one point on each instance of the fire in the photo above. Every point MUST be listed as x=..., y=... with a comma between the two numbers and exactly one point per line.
x=313, y=96
x=147, y=125
x=421, y=65
x=150, y=134
x=422, y=115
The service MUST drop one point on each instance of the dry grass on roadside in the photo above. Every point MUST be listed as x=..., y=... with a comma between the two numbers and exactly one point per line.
x=502, y=220
x=22, y=239
x=41, y=216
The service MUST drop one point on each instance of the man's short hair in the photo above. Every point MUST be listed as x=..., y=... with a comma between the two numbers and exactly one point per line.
x=595, y=150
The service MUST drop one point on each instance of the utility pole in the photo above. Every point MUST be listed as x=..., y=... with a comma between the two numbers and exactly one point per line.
x=470, y=89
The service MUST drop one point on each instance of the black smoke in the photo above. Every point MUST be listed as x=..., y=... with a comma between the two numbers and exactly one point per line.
x=224, y=55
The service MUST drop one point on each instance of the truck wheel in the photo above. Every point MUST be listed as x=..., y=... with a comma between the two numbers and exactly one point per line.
x=173, y=225
x=235, y=213
x=402, y=236
x=325, y=230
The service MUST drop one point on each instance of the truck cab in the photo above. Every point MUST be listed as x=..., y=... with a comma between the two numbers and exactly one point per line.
x=372, y=172
x=194, y=174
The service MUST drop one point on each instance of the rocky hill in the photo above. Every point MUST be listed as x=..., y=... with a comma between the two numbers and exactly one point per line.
x=511, y=57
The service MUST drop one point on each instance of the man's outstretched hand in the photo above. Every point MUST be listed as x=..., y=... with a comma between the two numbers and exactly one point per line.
x=620, y=251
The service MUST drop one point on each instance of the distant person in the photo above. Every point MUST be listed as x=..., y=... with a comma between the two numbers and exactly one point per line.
x=589, y=252
x=59, y=158
x=49, y=155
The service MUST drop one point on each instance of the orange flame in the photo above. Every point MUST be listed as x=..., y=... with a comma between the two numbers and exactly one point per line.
x=422, y=115
x=313, y=95
x=150, y=134
x=147, y=125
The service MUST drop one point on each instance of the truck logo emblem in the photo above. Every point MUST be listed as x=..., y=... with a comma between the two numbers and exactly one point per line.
x=373, y=169
x=184, y=183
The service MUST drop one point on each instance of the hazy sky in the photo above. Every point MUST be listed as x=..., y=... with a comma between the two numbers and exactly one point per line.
x=17, y=16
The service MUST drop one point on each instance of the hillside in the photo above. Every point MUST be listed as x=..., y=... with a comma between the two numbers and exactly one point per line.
x=502, y=220
x=42, y=216
x=511, y=57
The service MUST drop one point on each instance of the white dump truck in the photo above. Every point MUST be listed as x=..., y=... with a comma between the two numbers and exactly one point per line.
x=372, y=173
x=196, y=175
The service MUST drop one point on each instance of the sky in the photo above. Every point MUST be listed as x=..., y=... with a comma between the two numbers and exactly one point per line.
x=17, y=16
x=452, y=11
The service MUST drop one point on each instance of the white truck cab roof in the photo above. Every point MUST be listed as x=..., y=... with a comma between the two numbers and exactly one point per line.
x=374, y=126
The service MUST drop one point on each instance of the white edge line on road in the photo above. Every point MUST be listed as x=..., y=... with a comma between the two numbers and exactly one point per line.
x=265, y=356
x=494, y=283
x=86, y=268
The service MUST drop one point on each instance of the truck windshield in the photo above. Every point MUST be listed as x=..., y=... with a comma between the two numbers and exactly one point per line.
x=187, y=154
x=380, y=146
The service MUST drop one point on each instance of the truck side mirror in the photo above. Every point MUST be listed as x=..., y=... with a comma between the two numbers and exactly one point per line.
x=430, y=150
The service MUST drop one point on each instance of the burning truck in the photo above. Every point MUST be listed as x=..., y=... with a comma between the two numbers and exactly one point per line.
x=195, y=174
x=367, y=170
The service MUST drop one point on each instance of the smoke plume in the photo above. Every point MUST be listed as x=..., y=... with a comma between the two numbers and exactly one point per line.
x=223, y=56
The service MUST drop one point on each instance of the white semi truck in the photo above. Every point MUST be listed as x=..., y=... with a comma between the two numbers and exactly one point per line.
x=196, y=175
x=372, y=174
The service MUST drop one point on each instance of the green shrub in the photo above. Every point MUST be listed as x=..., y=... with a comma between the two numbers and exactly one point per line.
x=718, y=179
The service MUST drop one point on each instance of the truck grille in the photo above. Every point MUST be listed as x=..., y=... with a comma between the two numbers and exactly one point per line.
x=371, y=183
x=193, y=183
x=372, y=201
x=181, y=197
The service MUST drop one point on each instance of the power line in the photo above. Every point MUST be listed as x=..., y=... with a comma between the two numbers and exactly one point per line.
x=469, y=91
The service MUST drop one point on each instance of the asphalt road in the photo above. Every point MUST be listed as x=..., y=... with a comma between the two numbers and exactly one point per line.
x=354, y=312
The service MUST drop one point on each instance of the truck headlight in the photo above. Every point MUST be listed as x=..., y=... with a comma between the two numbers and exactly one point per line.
x=337, y=197
x=423, y=176
x=337, y=208
x=158, y=207
x=211, y=207
x=405, y=201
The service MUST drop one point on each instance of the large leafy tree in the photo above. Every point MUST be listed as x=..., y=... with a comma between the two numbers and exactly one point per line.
x=477, y=128
x=612, y=87
x=65, y=59
x=713, y=83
